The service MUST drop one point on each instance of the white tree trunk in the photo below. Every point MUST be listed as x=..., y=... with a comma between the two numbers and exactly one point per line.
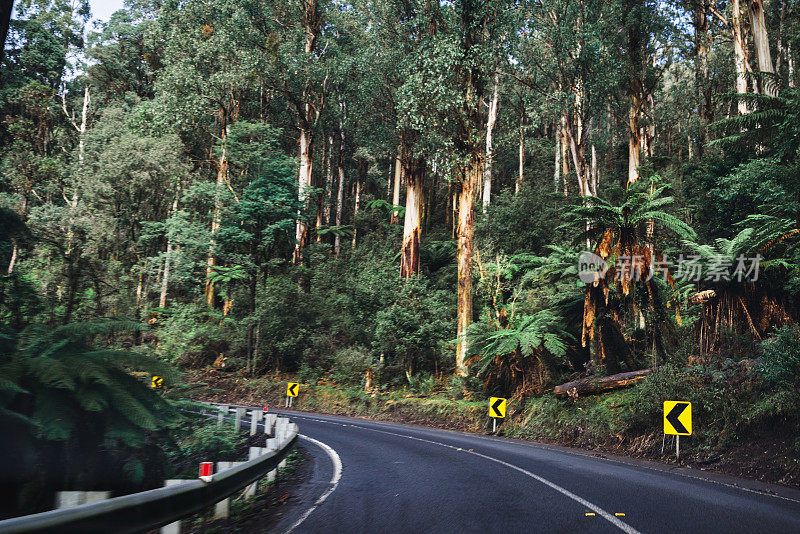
x=412, y=224
x=398, y=170
x=304, y=181
x=465, y=241
x=356, y=208
x=162, y=299
x=487, y=167
x=634, y=140
x=761, y=41
x=557, y=162
x=337, y=241
x=740, y=59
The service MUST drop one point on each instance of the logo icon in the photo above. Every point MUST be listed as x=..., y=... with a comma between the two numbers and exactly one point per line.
x=591, y=267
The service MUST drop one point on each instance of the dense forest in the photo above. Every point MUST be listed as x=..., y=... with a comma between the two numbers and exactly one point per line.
x=397, y=191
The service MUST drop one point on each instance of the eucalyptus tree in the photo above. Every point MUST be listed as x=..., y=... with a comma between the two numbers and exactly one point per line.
x=202, y=89
x=442, y=101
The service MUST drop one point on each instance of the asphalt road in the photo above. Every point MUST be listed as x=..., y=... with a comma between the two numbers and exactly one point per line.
x=407, y=479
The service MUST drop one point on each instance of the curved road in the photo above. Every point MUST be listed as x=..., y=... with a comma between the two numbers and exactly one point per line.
x=399, y=478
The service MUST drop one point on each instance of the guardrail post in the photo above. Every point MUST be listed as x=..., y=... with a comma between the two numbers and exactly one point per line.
x=255, y=417
x=281, y=432
x=222, y=508
x=272, y=445
x=237, y=424
x=68, y=499
x=223, y=411
x=269, y=422
x=255, y=452
x=173, y=528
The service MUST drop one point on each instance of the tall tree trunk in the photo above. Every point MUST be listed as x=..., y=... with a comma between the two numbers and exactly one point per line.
x=577, y=148
x=13, y=257
x=557, y=158
x=741, y=61
x=356, y=208
x=563, y=147
x=521, y=157
x=465, y=233
x=222, y=178
x=304, y=182
x=398, y=170
x=412, y=228
x=701, y=72
x=307, y=115
x=487, y=167
x=337, y=241
x=323, y=203
x=634, y=139
x=761, y=40
x=595, y=177
x=162, y=299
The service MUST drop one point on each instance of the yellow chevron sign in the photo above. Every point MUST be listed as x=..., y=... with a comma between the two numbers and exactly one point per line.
x=292, y=389
x=497, y=407
x=156, y=382
x=678, y=418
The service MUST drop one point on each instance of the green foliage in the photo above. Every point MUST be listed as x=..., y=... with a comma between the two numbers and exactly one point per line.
x=781, y=359
x=526, y=335
x=349, y=365
x=208, y=440
x=82, y=415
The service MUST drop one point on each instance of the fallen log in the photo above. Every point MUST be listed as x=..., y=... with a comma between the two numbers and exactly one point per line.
x=590, y=385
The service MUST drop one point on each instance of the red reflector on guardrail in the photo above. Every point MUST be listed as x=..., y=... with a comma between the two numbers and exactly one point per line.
x=206, y=468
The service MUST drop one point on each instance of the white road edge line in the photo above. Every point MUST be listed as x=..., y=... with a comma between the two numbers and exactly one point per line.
x=602, y=513
x=337, y=474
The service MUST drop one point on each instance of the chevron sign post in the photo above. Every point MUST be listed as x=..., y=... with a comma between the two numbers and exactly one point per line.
x=497, y=410
x=677, y=421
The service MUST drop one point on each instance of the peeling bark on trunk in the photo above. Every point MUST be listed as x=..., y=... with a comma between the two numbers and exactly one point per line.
x=412, y=227
x=634, y=139
x=563, y=154
x=465, y=234
x=741, y=61
x=307, y=115
x=761, y=41
x=222, y=177
x=487, y=166
x=557, y=158
x=304, y=181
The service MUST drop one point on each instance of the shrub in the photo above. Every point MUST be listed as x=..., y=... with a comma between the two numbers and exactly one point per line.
x=422, y=383
x=210, y=440
x=781, y=358
x=350, y=365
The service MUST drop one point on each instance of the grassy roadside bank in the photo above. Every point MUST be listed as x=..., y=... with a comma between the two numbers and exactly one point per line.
x=761, y=444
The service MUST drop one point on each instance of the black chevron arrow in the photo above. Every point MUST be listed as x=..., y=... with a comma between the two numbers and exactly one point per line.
x=292, y=389
x=673, y=415
x=496, y=406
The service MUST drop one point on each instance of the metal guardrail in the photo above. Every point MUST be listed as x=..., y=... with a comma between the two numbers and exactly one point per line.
x=147, y=510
